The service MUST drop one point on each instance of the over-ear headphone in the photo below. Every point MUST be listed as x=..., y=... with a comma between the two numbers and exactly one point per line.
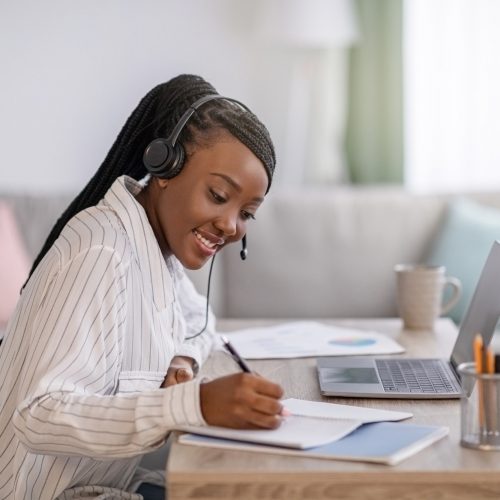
x=164, y=158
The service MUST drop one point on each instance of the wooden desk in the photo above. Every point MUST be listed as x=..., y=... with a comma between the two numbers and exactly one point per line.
x=443, y=471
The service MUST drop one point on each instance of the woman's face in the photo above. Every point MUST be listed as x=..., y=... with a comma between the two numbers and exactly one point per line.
x=209, y=204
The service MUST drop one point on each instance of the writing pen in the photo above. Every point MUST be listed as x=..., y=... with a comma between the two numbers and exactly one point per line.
x=497, y=363
x=478, y=348
x=243, y=365
x=234, y=353
x=490, y=361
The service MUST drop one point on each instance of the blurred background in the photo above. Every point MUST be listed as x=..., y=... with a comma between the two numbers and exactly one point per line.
x=353, y=91
x=382, y=113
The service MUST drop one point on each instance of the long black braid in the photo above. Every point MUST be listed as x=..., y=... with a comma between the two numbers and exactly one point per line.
x=155, y=116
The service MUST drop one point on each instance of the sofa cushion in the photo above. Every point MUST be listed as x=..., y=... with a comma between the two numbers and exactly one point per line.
x=14, y=263
x=328, y=253
x=463, y=243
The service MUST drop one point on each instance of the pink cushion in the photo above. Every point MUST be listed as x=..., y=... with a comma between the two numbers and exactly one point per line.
x=14, y=263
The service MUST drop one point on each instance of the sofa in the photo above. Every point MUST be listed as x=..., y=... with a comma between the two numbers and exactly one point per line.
x=320, y=253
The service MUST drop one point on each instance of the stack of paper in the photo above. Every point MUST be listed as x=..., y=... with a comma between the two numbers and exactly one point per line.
x=325, y=430
x=310, y=338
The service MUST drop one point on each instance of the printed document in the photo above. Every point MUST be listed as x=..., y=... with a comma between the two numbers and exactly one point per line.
x=309, y=338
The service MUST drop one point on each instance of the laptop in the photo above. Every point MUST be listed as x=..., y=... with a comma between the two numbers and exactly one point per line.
x=414, y=378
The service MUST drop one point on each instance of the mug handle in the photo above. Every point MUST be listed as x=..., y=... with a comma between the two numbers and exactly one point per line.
x=456, y=294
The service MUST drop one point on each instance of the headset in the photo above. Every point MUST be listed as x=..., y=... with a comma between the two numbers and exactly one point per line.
x=164, y=158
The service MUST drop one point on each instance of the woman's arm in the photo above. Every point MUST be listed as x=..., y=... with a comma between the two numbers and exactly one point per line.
x=67, y=392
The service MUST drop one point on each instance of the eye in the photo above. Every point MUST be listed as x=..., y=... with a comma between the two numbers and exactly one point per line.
x=217, y=197
x=247, y=215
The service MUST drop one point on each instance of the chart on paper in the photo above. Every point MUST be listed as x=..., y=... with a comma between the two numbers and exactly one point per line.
x=310, y=338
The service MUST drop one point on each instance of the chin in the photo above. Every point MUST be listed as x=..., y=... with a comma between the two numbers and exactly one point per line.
x=193, y=264
x=194, y=267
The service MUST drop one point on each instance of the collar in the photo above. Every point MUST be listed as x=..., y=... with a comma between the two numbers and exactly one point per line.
x=156, y=278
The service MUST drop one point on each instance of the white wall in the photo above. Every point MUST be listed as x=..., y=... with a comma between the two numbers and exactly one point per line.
x=72, y=71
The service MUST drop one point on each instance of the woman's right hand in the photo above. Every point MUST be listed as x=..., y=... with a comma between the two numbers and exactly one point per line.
x=241, y=401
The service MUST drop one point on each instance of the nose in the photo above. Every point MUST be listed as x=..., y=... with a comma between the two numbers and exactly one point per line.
x=227, y=223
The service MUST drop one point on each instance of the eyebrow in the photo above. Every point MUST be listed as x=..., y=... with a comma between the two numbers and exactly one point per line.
x=234, y=184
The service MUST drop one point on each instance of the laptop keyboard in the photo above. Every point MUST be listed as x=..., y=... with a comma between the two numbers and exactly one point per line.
x=419, y=376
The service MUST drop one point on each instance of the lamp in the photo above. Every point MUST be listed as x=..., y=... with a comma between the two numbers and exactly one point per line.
x=309, y=23
x=317, y=33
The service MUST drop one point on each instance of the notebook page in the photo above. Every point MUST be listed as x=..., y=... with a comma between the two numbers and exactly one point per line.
x=331, y=410
x=295, y=432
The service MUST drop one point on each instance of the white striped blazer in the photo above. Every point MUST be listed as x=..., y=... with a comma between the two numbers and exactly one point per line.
x=85, y=353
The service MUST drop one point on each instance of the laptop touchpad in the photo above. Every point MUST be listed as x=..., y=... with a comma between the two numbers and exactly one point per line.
x=350, y=375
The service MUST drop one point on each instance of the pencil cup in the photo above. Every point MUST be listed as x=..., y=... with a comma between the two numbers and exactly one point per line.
x=480, y=408
x=420, y=294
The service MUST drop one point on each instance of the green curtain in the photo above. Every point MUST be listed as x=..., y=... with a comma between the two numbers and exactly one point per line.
x=374, y=135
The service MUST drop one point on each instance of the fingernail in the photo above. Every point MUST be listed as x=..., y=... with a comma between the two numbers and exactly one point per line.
x=285, y=412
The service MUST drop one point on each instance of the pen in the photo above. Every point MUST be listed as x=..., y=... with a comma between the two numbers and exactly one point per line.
x=490, y=361
x=478, y=347
x=243, y=365
x=478, y=352
x=497, y=363
x=491, y=402
x=241, y=362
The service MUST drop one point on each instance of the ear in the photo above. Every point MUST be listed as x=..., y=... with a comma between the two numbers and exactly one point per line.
x=161, y=183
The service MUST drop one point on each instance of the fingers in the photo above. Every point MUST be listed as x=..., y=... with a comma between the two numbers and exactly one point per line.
x=242, y=401
x=177, y=376
x=179, y=371
x=266, y=405
x=257, y=420
x=264, y=413
x=268, y=388
x=183, y=375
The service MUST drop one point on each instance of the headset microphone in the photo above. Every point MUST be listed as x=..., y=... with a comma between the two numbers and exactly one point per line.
x=243, y=255
x=244, y=251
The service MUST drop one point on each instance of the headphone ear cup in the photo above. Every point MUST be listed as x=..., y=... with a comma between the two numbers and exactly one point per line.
x=177, y=161
x=156, y=155
x=163, y=160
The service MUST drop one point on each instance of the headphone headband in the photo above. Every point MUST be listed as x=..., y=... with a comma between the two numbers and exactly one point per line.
x=172, y=138
x=165, y=157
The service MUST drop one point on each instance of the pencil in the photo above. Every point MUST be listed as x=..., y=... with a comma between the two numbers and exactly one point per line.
x=478, y=358
x=491, y=401
x=478, y=352
x=490, y=361
x=497, y=363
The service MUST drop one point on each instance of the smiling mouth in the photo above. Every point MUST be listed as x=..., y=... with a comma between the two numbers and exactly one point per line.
x=209, y=244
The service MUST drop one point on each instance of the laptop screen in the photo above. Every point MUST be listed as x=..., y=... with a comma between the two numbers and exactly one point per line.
x=483, y=311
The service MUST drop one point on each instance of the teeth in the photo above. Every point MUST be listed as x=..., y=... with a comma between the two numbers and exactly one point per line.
x=207, y=243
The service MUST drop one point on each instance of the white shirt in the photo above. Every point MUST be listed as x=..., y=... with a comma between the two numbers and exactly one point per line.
x=86, y=351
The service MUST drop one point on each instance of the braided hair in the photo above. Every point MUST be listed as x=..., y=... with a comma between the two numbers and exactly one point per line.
x=156, y=116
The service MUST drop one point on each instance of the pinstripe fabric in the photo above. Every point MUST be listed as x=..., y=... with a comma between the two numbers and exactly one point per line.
x=85, y=353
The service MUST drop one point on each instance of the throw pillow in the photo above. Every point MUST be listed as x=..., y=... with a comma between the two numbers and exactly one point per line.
x=463, y=244
x=14, y=263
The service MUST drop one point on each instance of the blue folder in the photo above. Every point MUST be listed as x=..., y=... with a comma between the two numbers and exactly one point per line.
x=381, y=442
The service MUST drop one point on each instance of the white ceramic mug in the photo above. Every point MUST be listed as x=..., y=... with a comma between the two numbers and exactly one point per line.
x=420, y=294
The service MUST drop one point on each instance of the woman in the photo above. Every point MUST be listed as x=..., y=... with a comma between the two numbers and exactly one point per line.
x=98, y=362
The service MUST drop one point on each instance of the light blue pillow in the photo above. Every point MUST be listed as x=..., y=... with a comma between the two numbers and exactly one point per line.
x=464, y=241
